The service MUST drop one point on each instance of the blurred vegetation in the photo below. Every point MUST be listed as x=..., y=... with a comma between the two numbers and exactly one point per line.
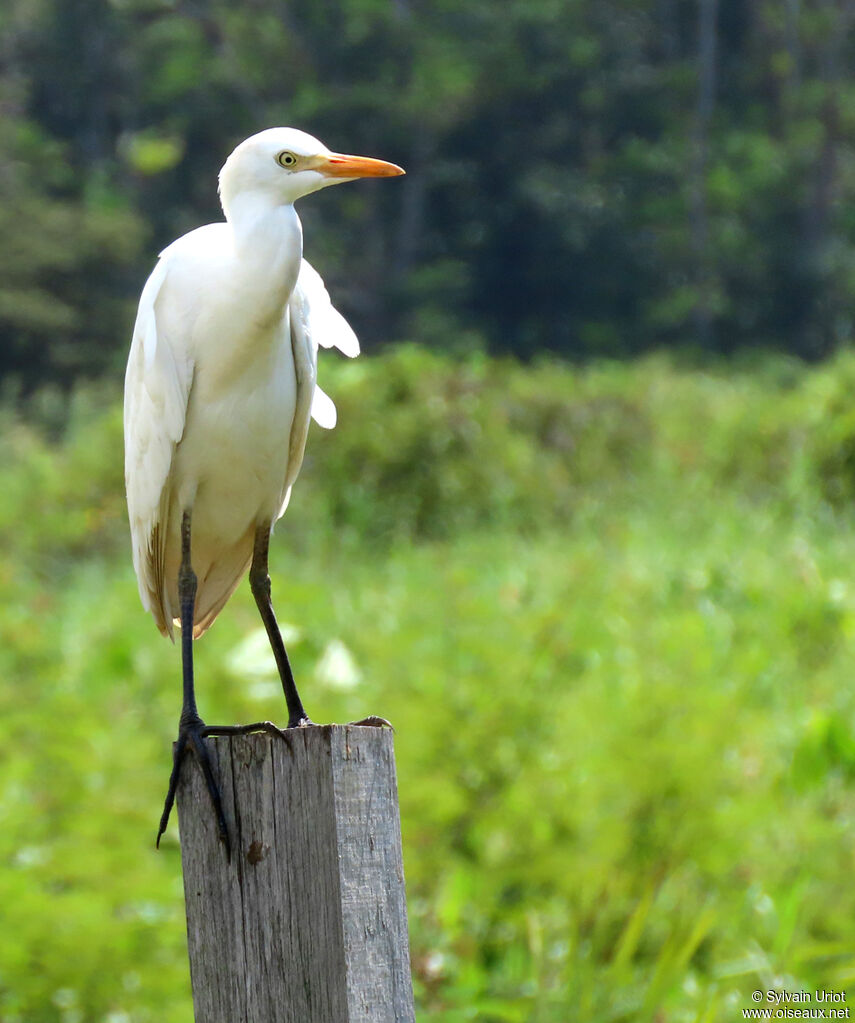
x=611, y=614
x=596, y=177
x=608, y=608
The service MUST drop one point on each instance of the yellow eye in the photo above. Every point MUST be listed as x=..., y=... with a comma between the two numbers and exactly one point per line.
x=286, y=159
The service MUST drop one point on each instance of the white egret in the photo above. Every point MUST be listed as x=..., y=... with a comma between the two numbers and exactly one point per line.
x=219, y=391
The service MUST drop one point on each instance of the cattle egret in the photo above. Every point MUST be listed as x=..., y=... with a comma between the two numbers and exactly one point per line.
x=219, y=391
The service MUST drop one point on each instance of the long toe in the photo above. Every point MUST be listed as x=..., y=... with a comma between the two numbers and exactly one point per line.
x=256, y=726
x=177, y=757
x=373, y=722
x=192, y=735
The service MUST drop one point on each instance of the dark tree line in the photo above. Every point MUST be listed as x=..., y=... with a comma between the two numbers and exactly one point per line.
x=593, y=177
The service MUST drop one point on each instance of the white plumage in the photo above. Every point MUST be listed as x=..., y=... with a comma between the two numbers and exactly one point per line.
x=219, y=392
x=220, y=384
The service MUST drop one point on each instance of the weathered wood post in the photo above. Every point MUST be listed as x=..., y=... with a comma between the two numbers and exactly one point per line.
x=308, y=922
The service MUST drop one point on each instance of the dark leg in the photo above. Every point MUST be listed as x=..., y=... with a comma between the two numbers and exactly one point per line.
x=259, y=580
x=191, y=728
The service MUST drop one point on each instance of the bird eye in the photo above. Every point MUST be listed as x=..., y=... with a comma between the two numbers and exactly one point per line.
x=286, y=159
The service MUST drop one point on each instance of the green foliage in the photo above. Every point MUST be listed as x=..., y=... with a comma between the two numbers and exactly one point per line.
x=564, y=189
x=482, y=445
x=63, y=262
x=610, y=615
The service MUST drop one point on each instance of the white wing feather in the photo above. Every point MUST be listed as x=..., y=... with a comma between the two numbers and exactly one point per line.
x=313, y=321
x=325, y=326
x=157, y=385
x=328, y=327
x=323, y=409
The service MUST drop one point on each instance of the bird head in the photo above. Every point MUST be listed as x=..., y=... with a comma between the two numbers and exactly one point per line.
x=284, y=164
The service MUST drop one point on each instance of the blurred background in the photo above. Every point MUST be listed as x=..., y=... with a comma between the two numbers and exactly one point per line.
x=584, y=532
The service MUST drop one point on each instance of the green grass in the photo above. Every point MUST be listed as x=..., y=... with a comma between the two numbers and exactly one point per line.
x=611, y=614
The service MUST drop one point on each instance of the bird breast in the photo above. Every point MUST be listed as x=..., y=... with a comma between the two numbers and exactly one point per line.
x=231, y=463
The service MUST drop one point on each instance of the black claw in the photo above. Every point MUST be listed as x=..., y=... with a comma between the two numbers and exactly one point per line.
x=256, y=726
x=192, y=734
x=200, y=748
x=170, y=794
x=373, y=721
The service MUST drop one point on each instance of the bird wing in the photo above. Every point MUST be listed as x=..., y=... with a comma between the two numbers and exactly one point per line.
x=157, y=387
x=326, y=327
x=313, y=322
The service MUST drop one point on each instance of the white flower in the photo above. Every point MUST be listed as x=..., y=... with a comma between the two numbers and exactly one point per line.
x=252, y=657
x=337, y=668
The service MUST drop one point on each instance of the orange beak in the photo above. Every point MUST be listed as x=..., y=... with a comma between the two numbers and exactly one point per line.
x=338, y=165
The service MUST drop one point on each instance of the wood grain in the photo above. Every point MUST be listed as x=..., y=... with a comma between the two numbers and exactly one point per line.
x=308, y=922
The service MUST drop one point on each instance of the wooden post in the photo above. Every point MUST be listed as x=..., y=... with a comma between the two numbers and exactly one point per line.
x=308, y=923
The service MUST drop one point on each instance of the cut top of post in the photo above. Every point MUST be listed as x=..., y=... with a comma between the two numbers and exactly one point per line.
x=308, y=922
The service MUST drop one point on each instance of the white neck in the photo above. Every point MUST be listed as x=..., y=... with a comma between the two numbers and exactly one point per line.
x=268, y=242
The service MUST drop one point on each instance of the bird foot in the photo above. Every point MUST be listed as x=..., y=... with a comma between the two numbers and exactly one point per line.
x=373, y=721
x=191, y=735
